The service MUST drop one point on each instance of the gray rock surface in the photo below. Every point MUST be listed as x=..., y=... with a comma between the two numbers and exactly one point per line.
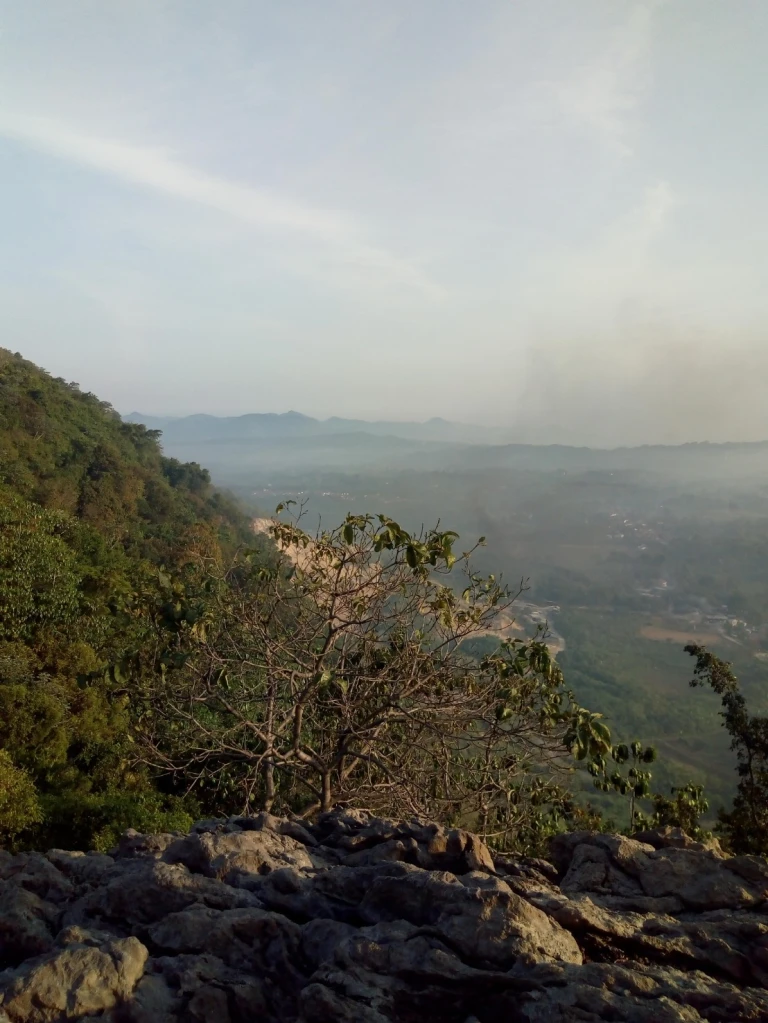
x=76, y=981
x=360, y=919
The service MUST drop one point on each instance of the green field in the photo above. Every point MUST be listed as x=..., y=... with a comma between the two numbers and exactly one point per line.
x=641, y=685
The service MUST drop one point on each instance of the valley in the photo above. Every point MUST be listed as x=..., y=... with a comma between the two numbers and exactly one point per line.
x=624, y=556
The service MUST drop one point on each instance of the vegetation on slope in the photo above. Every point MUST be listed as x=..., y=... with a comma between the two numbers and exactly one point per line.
x=92, y=516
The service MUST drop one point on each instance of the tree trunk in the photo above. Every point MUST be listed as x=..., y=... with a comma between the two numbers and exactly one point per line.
x=327, y=796
x=269, y=785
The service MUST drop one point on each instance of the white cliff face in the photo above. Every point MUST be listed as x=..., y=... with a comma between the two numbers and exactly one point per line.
x=366, y=920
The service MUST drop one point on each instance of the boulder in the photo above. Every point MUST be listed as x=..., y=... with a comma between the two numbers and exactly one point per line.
x=484, y=924
x=700, y=878
x=203, y=989
x=242, y=938
x=394, y=971
x=76, y=981
x=633, y=992
x=239, y=858
x=36, y=873
x=81, y=868
x=133, y=845
x=142, y=892
x=266, y=822
x=675, y=838
x=366, y=839
x=27, y=924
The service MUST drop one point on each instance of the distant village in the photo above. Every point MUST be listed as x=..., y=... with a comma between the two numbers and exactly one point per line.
x=689, y=611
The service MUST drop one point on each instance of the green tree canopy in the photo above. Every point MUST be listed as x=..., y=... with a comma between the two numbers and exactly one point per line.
x=92, y=519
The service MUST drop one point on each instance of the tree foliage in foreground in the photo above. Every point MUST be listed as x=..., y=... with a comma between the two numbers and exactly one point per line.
x=338, y=675
x=634, y=783
x=684, y=809
x=745, y=825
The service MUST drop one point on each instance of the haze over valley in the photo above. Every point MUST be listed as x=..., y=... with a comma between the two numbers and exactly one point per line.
x=627, y=553
x=384, y=426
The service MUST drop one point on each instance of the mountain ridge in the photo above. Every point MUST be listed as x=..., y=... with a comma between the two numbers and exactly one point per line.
x=236, y=446
x=435, y=428
x=273, y=423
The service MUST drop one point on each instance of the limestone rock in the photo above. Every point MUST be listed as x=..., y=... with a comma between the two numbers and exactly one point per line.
x=142, y=892
x=356, y=918
x=366, y=839
x=134, y=845
x=36, y=873
x=203, y=989
x=267, y=822
x=27, y=924
x=236, y=857
x=676, y=838
x=74, y=982
x=81, y=868
x=394, y=971
x=610, y=865
x=484, y=924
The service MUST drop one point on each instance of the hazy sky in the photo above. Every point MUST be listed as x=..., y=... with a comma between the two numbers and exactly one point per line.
x=545, y=213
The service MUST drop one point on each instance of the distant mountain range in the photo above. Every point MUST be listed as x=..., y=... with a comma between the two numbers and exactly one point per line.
x=295, y=424
x=237, y=447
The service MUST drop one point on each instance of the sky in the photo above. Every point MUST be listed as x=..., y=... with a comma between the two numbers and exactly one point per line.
x=541, y=214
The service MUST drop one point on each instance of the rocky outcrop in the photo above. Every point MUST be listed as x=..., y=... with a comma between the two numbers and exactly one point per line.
x=360, y=919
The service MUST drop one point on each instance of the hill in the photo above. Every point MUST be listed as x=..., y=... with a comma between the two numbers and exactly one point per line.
x=185, y=429
x=93, y=517
x=237, y=447
x=68, y=451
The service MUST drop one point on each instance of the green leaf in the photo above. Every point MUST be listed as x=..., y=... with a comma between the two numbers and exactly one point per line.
x=602, y=731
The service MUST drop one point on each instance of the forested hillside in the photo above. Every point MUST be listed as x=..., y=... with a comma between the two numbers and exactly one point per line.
x=70, y=452
x=99, y=535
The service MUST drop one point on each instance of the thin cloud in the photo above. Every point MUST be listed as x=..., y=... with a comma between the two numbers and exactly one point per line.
x=641, y=226
x=603, y=96
x=159, y=171
x=624, y=263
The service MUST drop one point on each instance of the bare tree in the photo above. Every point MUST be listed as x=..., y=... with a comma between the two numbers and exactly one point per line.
x=339, y=675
